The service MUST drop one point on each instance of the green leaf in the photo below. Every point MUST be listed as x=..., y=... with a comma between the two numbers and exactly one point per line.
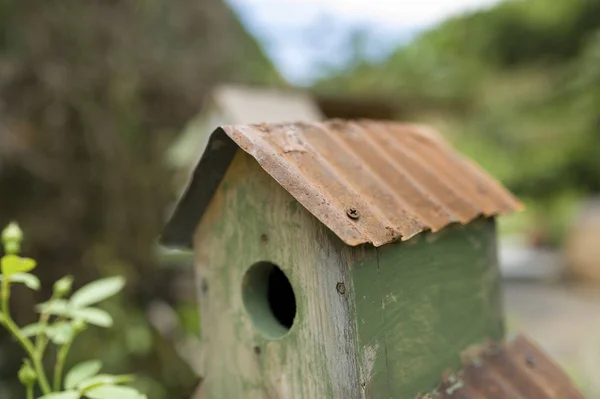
x=113, y=392
x=60, y=307
x=60, y=333
x=103, y=379
x=12, y=264
x=28, y=279
x=97, y=291
x=95, y=316
x=57, y=307
x=62, y=395
x=32, y=330
x=82, y=372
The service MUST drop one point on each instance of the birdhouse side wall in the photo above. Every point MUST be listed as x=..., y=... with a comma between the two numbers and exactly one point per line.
x=251, y=219
x=420, y=303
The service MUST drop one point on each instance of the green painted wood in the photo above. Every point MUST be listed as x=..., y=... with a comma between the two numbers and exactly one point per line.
x=407, y=311
x=253, y=219
x=421, y=302
x=370, y=326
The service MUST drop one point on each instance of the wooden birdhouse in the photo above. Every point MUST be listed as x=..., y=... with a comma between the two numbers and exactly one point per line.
x=339, y=259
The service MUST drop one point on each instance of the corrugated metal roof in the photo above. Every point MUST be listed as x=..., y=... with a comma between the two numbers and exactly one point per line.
x=369, y=182
x=518, y=370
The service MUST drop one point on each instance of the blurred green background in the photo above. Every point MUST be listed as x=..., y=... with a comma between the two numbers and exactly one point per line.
x=93, y=93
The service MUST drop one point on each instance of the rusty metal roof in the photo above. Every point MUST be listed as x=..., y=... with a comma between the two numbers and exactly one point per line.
x=518, y=370
x=369, y=182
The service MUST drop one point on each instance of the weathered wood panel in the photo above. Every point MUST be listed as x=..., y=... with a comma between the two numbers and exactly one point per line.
x=252, y=219
x=421, y=302
x=370, y=327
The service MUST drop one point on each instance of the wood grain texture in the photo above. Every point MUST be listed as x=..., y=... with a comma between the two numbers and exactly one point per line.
x=251, y=219
x=370, y=324
x=420, y=303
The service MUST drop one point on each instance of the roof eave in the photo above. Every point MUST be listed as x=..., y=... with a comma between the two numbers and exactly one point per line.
x=179, y=231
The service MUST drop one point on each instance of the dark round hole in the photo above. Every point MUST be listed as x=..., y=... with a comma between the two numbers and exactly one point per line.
x=269, y=299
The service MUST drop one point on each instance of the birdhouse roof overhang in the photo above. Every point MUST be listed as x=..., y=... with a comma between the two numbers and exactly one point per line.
x=367, y=181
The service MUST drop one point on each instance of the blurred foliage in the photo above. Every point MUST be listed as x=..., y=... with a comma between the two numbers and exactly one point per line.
x=525, y=78
x=91, y=95
x=63, y=318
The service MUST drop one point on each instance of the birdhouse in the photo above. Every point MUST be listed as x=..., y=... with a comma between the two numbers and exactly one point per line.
x=339, y=259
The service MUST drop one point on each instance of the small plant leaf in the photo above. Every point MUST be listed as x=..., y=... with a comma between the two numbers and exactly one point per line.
x=95, y=316
x=113, y=392
x=82, y=372
x=60, y=307
x=62, y=395
x=11, y=264
x=32, y=330
x=97, y=291
x=31, y=281
x=57, y=307
x=103, y=379
x=60, y=333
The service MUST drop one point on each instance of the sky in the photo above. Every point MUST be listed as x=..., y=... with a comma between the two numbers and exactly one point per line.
x=306, y=38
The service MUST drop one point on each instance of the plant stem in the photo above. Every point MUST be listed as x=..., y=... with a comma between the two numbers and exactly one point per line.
x=30, y=349
x=42, y=340
x=29, y=391
x=61, y=357
x=5, y=296
x=11, y=326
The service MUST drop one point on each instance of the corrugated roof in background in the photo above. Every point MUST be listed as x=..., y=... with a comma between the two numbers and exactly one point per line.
x=246, y=104
x=238, y=104
x=369, y=182
x=518, y=370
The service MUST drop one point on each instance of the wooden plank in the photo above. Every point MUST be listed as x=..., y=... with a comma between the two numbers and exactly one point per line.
x=370, y=328
x=253, y=219
x=421, y=302
x=440, y=293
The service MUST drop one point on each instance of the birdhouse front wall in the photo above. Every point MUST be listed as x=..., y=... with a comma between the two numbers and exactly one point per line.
x=252, y=225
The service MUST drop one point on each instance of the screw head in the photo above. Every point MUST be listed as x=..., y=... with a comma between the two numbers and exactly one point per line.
x=352, y=213
x=341, y=288
x=530, y=361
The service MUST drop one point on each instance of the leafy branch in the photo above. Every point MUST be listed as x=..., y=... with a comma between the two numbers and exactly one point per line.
x=61, y=320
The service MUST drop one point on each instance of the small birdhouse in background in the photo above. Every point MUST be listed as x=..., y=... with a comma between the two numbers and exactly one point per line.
x=339, y=259
x=234, y=105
